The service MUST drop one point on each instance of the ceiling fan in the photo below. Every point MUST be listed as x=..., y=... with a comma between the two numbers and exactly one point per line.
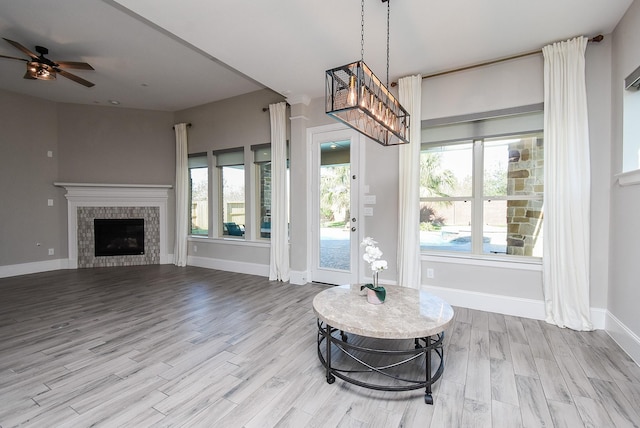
x=42, y=68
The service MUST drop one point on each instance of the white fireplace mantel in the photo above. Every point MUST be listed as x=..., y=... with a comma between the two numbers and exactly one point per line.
x=114, y=195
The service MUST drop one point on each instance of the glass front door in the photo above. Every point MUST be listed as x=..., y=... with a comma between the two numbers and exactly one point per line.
x=336, y=230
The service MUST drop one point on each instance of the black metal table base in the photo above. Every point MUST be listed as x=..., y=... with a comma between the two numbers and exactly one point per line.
x=331, y=339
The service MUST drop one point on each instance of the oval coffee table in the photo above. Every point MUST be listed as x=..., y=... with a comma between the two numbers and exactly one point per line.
x=406, y=314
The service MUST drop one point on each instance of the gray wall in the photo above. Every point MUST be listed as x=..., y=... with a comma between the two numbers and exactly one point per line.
x=29, y=130
x=234, y=122
x=89, y=144
x=624, y=283
x=115, y=145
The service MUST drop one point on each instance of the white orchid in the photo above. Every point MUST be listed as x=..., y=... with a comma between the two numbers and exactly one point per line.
x=368, y=242
x=372, y=255
x=378, y=265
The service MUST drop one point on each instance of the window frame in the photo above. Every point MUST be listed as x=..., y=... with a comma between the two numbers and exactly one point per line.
x=195, y=162
x=229, y=158
x=478, y=130
x=259, y=161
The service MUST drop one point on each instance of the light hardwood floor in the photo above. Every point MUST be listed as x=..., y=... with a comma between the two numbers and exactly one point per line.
x=166, y=346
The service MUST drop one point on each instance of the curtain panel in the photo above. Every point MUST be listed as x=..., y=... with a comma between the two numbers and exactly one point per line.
x=410, y=94
x=182, y=195
x=279, y=262
x=567, y=180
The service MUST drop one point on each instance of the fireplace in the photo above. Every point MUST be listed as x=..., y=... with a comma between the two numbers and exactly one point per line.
x=118, y=236
x=89, y=201
x=116, y=219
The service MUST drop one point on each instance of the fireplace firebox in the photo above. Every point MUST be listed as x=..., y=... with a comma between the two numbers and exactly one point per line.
x=119, y=237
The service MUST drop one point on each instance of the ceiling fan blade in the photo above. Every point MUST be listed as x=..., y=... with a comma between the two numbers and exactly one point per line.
x=22, y=48
x=75, y=78
x=74, y=64
x=14, y=57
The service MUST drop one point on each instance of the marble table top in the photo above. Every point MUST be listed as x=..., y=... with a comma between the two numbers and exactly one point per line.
x=406, y=313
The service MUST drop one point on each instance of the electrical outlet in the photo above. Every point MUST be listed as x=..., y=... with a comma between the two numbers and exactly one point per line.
x=429, y=273
x=51, y=251
x=50, y=202
x=195, y=248
x=49, y=154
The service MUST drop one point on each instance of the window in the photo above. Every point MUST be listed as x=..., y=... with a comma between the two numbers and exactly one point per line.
x=630, y=124
x=482, y=195
x=198, y=194
x=262, y=161
x=230, y=165
x=446, y=191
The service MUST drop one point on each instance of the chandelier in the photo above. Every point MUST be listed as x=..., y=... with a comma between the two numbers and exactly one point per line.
x=355, y=96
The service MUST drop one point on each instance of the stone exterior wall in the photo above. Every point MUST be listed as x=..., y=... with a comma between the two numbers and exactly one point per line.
x=265, y=195
x=86, y=236
x=525, y=177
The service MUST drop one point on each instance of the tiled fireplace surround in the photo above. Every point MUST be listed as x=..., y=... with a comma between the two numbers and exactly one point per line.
x=87, y=201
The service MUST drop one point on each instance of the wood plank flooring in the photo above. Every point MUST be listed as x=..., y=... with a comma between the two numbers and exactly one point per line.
x=164, y=346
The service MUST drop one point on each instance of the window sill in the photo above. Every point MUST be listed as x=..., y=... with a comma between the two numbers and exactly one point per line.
x=532, y=264
x=629, y=178
x=229, y=241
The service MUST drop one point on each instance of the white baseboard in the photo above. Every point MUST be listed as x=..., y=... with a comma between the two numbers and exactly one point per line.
x=295, y=277
x=298, y=277
x=623, y=336
x=506, y=305
x=229, y=265
x=599, y=318
x=33, y=267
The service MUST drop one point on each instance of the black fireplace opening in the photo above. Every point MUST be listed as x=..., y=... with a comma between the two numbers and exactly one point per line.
x=119, y=236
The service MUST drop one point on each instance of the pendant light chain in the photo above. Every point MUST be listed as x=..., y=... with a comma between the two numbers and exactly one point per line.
x=362, y=30
x=388, y=12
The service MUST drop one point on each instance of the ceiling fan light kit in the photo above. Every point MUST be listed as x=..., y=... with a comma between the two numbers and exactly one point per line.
x=356, y=97
x=36, y=70
x=39, y=67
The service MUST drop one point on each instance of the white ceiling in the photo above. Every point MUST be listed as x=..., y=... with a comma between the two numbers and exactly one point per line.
x=169, y=55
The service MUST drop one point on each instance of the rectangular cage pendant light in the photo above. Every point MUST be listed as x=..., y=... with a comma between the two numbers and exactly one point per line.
x=355, y=96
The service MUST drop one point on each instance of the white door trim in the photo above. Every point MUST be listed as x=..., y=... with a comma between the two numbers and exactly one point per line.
x=356, y=190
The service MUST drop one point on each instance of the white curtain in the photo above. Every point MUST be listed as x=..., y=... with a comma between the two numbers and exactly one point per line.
x=410, y=91
x=182, y=195
x=567, y=180
x=279, y=264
